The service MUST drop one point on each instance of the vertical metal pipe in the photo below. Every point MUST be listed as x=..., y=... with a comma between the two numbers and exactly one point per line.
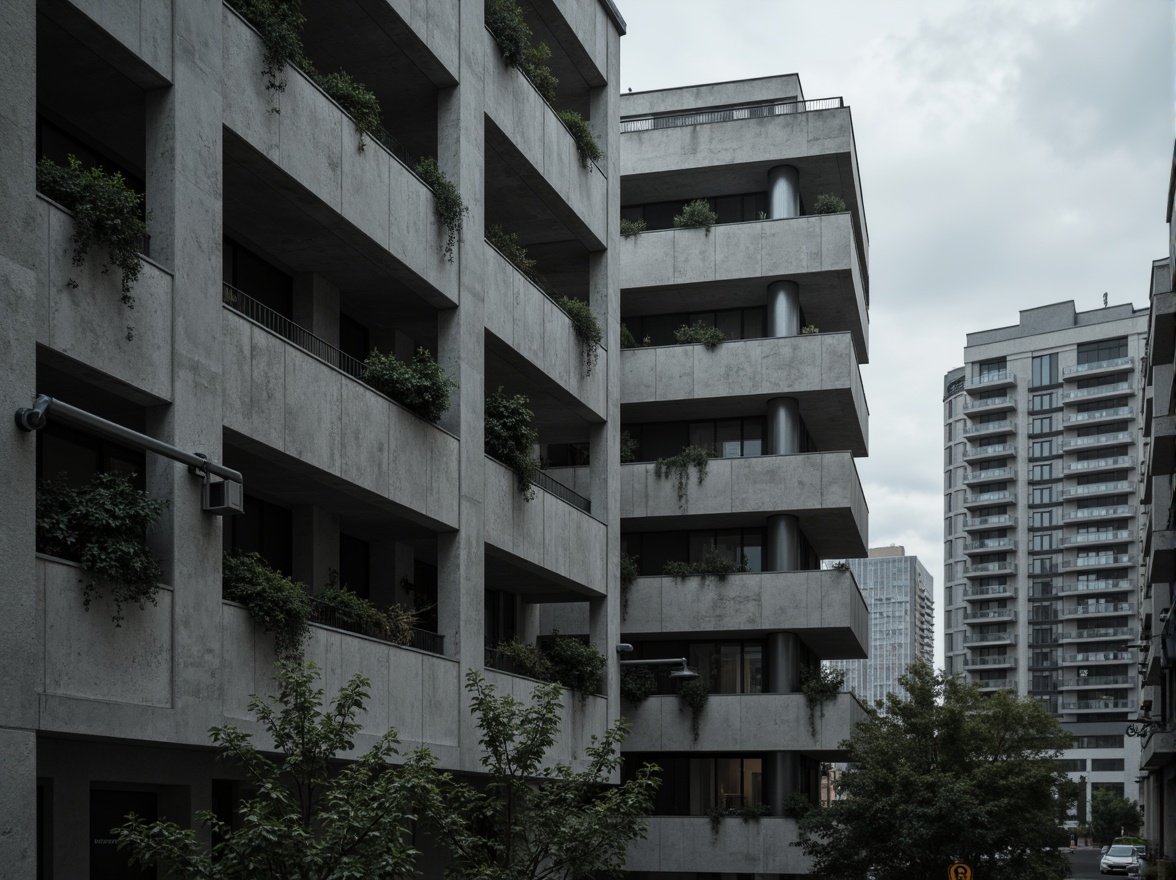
x=783, y=308
x=783, y=543
x=784, y=427
x=783, y=192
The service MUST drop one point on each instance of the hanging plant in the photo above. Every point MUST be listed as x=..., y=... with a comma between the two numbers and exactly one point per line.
x=629, y=575
x=106, y=212
x=820, y=684
x=678, y=466
x=510, y=438
x=637, y=683
x=586, y=328
x=700, y=333
x=692, y=695
x=357, y=101
x=586, y=144
x=276, y=603
x=422, y=386
x=447, y=203
x=279, y=23
x=102, y=526
x=748, y=813
x=715, y=565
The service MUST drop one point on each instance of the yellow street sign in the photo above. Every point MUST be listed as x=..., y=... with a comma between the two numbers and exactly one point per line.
x=959, y=871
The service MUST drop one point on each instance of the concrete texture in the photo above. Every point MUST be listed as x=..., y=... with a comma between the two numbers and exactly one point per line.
x=685, y=844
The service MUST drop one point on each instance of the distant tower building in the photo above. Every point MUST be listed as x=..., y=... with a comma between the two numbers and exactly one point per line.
x=900, y=595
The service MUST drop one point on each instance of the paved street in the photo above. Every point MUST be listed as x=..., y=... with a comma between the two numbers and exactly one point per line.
x=1084, y=863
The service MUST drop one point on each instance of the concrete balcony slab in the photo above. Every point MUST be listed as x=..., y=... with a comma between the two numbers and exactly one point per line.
x=740, y=376
x=686, y=844
x=825, y=608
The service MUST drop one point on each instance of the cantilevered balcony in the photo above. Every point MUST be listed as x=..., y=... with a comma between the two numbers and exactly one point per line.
x=1095, y=441
x=1099, y=704
x=1098, y=368
x=995, y=521
x=986, y=405
x=988, y=592
x=986, y=499
x=1097, y=392
x=1111, y=487
x=1085, y=588
x=689, y=845
x=990, y=640
x=989, y=545
x=825, y=608
x=1004, y=426
x=1093, y=514
x=1094, y=608
x=1097, y=633
x=991, y=661
x=1081, y=682
x=1104, y=560
x=990, y=381
x=996, y=684
x=1097, y=416
x=1085, y=658
x=1102, y=537
x=990, y=615
x=989, y=475
x=974, y=453
x=1094, y=465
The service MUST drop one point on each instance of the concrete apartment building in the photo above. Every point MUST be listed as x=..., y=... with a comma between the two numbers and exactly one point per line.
x=1156, y=720
x=900, y=594
x=784, y=414
x=1041, y=524
x=279, y=251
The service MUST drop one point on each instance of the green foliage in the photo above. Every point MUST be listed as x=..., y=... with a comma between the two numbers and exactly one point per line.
x=422, y=386
x=692, y=695
x=303, y=816
x=678, y=467
x=276, y=603
x=534, y=65
x=627, y=340
x=508, y=244
x=534, y=819
x=945, y=774
x=574, y=663
x=637, y=683
x=1110, y=812
x=629, y=574
x=586, y=144
x=629, y=448
x=350, y=610
x=809, y=329
x=358, y=102
x=280, y=23
x=106, y=212
x=510, y=438
x=715, y=565
x=700, y=332
x=447, y=202
x=526, y=659
x=746, y=812
x=586, y=328
x=504, y=19
x=103, y=526
x=797, y=806
x=696, y=215
x=827, y=203
x=819, y=684
x=632, y=228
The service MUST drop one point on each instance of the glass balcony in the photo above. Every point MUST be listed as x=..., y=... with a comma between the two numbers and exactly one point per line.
x=1112, y=414
x=997, y=684
x=1107, y=537
x=1095, y=513
x=1097, y=632
x=994, y=450
x=989, y=381
x=989, y=569
x=1109, y=488
x=989, y=591
x=1098, y=561
x=1000, y=638
x=1007, y=661
x=1107, y=585
x=1004, y=426
x=1095, y=368
x=989, y=522
x=988, y=545
x=1097, y=609
x=1112, y=462
x=1111, y=389
x=1100, y=705
x=1096, y=440
x=981, y=499
x=990, y=475
x=990, y=615
x=1084, y=681
x=989, y=405
x=1093, y=657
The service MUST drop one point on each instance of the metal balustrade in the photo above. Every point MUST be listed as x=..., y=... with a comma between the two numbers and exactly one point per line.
x=728, y=114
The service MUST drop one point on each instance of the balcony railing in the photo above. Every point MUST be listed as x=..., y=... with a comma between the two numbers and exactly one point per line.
x=1094, y=609
x=1097, y=390
x=1098, y=440
x=989, y=403
x=991, y=451
x=988, y=380
x=1099, y=488
x=985, y=568
x=1099, y=415
x=1112, y=512
x=559, y=490
x=990, y=638
x=988, y=522
x=991, y=614
x=1096, y=464
x=1000, y=497
x=1107, y=585
x=984, y=476
x=1008, y=660
x=1097, y=538
x=727, y=114
x=1004, y=426
x=989, y=545
x=1098, y=366
x=1096, y=705
x=1098, y=632
x=1100, y=657
x=995, y=684
x=1096, y=681
x=988, y=590
x=421, y=639
x=1098, y=561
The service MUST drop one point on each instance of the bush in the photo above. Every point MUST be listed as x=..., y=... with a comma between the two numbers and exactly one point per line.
x=797, y=806
x=510, y=437
x=352, y=611
x=586, y=144
x=809, y=329
x=280, y=23
x=746, y=812
x=627, y=340
x=696, y=215
x=358, y=102
x=508, y=244
x=714, y=564
x=700, y=333
x=422, y=386
x=586, y=328
x=827, y=203
x=504, y=19
x=447, y=203
x=535, y=67
x=574, y=663
x=632, y=228
x=819, y=684
x=692, y=695
x=678, y=466
x=102, y=526
x=637, y=683
x=629, y=574
x=106, y=211
x=277, y=604
x=629, y=448
x=527, y=659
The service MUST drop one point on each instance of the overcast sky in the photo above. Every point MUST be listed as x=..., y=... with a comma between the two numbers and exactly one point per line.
x=1012, y=153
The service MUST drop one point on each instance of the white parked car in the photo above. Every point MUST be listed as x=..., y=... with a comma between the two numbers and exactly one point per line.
x=1119, y=859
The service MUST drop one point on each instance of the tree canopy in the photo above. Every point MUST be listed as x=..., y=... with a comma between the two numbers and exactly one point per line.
x=946, y=775
x=1112, y=814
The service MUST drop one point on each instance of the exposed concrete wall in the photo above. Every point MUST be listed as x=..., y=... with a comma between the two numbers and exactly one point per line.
x=685, y=844
x=743, y=91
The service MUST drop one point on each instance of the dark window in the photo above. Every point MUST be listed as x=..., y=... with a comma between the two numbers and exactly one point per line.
x=501, y=619
x=265, y=529
x=355, y=565
x=354, y=338
x=1103, y=350
x=257, y=278
x=1045, y=370
x=739, y=208
x=109, y=809
x=1106, y=764
x=741, y=323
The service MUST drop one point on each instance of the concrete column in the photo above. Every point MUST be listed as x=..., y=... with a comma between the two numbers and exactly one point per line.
x=782, y=552
x=779, y=779
x=19, y=299
x=783, y=659
x=184, y=194
x=783, y=193
x=316, y=306
x=316, y=545
x=783, y=318
x=784, y=426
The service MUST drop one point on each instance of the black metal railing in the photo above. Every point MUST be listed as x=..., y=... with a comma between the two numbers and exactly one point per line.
x=287, y=329
x=497, y=659
x=554, y=487
x=421, y=639
x=728, y=114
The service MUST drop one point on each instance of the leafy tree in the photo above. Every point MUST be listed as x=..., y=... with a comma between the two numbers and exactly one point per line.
x=307, y=818
x=1112, y=814
x=941, y=776
x=533, y=821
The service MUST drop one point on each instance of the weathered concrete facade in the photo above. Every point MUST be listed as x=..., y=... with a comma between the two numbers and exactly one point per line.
x=780, y=408
x=251, y=188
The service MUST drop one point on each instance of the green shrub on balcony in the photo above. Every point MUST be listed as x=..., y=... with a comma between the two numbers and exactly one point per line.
x=504, y=19
x=797, y=806
x=106, y=212
x=819, y=684
x=276, y=603
x=102, y=526
x=678, y=466
x=421, y=386
x=809, y=330
x=827, y=203
x=696, y=215
x=357, y=101
x=627, y=339
x=447, y=202
x=574, y=663
x=746, y=812
x=350, y=610
x=700, y=333
x=586, y=144
x=693, y=695
x=629, y=448
x=632, y=228
x=586, y=328
x=508, y=245
x=715, y=565
x=637, y=683
x=511, y=439
x=534, y=65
